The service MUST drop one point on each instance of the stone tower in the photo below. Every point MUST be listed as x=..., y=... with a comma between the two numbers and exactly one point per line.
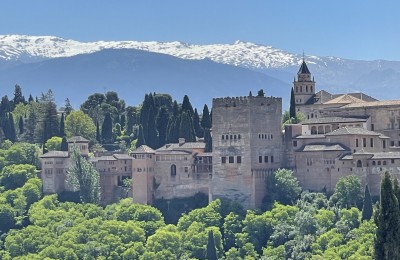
x=247, y=145
x=304, y=86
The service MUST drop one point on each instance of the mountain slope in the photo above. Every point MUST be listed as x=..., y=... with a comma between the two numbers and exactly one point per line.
x=132, y=73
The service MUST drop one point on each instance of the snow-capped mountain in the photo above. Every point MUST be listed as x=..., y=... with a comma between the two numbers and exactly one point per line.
x=217, y=69
x=27, y=48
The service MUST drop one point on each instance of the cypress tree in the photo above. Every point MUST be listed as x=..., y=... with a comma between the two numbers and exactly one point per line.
x=18, y=97
x=162, y=125
x=175, y=109
x=67, y=107
x=11, y=134
x=367, y=206
x=387, y=220
x=64, y=144
x=106, y=129
x=185, y=128
x=141, y=140
x=152, y=135
x=186, y=106
x=211, y=253
x=30, y=128
x=98, y=137
x=62, y=126
x=30, y=98
x=21, y=125
x=208, y=140
x=206, y=119
x=122, y=122
x=292, y=109
x=199, y=132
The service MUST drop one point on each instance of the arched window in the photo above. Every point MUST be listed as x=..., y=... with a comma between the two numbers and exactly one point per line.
x=384, y=162
x=320, y=129
x=373, y=163
x=313, y=130
x=173, y=170
x=359, y=163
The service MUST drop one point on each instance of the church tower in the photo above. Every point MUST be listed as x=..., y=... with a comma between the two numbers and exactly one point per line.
x=304, y=86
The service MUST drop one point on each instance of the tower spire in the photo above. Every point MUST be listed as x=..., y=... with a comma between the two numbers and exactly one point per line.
x=303, y=55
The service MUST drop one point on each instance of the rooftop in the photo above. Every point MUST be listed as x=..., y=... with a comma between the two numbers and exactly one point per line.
x=374, y=104
x=77, y=139
x=322, y=148
x=345, y=99
x=353, y=131
x=143, y=149
x=55, y=154
x=183, y=146
x=326, y=120
x=304, y=69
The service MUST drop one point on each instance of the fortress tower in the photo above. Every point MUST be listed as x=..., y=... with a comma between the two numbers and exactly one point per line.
x=304, y=86
x=247, y=145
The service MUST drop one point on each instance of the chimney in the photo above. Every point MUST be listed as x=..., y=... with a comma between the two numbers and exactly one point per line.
x=181, y=141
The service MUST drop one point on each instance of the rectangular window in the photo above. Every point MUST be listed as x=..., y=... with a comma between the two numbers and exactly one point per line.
x=231, y=159
x=186, y=169
x=391, y=143
x=364, y=142
x=223, y=159
x=392, y=161
x=384, y=144
x=265, y=159
x=372, y=127
x=239, y=159
x=272, y=158
x=372, y=142
x=260, y=159
x=294, y=143
x=356, y=142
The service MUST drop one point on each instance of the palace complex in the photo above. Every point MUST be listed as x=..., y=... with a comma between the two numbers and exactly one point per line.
x=342, y=134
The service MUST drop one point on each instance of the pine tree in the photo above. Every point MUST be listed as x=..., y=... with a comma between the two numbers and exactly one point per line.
x=62, y=126
x=18, y=97
x=140, y=141
x=21, y=125
x=106, y=129
x=367, y=206
x=31, y=98
x=206, y=119
x=83, y=177
x=260, y=93
x=162, y=125
x=30, y=128
x=64, y=144
x=211, y=253
x=387, y=220
x=67, y=107
x=292, y=109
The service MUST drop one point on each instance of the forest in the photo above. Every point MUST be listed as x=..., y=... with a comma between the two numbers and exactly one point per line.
x=292, y=224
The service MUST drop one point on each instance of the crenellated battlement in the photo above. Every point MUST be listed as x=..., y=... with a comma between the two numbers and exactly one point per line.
x=244, y=101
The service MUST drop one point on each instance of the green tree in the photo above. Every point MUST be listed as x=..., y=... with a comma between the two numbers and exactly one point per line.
x=7, y=218
x=67, y=107
x=140, y=141
x=348, y=192
x=198, y=130
x=18, y=97
x=387, y=220
x=83, y=176
x=292, y=109
x=78, y=123
x=211, y=253
x=16, y=175
x=10, y=128
x=21, y=125
x=208, y=140
x=152, y=135
x=367, y=205
x=54, y=144
x=282, y=186
x=186, y=128
x=260, y=93
x=186, y=106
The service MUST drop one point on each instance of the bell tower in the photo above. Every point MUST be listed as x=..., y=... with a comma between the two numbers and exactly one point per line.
x=304, y=86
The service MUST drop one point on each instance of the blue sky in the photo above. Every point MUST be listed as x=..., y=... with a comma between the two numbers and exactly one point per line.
x=359, y=29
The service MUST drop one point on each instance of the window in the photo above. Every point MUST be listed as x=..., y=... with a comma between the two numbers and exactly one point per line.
x=384, y=162
x=60, y=171
x=234, y=137
x=272, y=158
x=223, y=137
x=356, y=142
x=392, y=161
x=186, y=169
x=372, y=127
x=173, y=170
x=379, y=163
x=384, y=144
x=231, y=159
x=239, y=159
x=239, y=137
x=364, y=142
x=294, y=143
x=359, y=163
x=265, y=159
x=391, y=143
x=372, y=142
x=373, y=163
x=223, y=159
x=260, y=159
